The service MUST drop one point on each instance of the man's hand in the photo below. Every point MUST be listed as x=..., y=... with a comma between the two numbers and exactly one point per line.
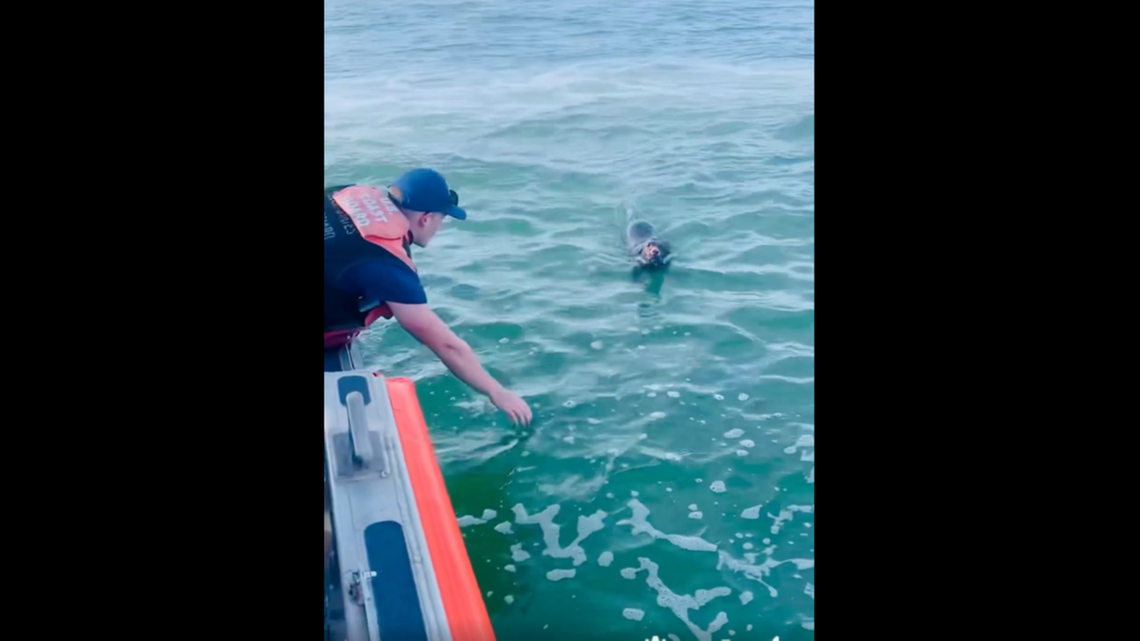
x=514, y=406
x=457, y=355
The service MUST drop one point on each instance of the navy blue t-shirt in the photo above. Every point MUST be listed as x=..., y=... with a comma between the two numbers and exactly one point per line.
x=387, y=280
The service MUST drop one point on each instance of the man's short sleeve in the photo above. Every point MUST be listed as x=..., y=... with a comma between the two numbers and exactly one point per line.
x=389, y=281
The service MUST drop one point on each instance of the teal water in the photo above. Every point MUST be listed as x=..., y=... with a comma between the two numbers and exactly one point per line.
x=667, y=485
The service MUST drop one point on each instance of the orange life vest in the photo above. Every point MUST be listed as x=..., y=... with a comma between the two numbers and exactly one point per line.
x=362, y=224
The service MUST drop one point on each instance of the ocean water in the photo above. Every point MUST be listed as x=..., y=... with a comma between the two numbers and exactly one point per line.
x=666, y=486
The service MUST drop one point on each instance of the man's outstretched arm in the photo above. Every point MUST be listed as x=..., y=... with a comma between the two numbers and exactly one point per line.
x=457, y=355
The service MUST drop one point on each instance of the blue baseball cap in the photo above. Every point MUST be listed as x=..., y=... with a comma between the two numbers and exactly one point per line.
x=426, y=190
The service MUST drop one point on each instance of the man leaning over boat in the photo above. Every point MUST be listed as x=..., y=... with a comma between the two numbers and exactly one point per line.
x=369, y=273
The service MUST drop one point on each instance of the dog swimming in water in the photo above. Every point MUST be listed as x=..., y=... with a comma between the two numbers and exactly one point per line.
x=647, y=250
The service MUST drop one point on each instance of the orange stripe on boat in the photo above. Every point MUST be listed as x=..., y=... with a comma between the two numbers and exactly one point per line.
x=462, y=600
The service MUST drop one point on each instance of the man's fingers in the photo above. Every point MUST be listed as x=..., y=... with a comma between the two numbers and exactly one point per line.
x=519, y=413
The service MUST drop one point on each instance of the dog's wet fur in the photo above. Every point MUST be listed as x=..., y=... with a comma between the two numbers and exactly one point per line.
x=647, y=250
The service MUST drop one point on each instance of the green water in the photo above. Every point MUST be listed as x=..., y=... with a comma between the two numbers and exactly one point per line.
x=552, y=121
